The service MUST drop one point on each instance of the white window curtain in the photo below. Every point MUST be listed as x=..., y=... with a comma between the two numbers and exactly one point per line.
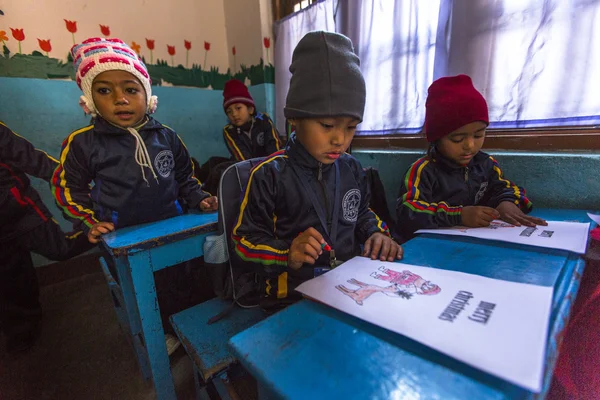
x=288, y=32
x=395, y=41
x=537, y=62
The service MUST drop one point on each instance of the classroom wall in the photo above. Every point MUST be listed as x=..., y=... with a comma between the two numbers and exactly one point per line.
x=167, y=23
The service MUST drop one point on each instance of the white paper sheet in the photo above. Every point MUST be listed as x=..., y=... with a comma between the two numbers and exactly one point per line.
x=571, y=236
x=595, y=218
x=497, y=326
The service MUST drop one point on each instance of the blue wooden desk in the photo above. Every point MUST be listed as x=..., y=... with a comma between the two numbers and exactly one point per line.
x=138, y=252
x=313, y=351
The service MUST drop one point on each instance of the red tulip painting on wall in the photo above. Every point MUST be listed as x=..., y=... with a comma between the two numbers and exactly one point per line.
x=45, y=45
x=19, y=36
x=206, y=49
x=150, y=45
x=188, y=46
x=234, y=63
x=267, y=43
x=171, y=50
x=71, y=27
x=105, y=30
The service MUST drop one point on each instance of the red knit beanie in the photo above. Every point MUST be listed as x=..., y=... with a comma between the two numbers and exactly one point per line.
x=236, y=92
x=452, y=102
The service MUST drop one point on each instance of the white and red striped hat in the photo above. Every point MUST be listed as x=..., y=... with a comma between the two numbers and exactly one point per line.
x=97, y=55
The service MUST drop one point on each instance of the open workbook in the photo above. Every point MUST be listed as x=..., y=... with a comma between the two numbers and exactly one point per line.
x=497, y=326
x=570, y=236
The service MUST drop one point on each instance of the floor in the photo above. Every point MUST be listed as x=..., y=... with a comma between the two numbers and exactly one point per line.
x=82, y=353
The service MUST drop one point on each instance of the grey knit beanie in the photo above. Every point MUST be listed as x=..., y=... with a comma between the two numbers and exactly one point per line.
x=326, y=78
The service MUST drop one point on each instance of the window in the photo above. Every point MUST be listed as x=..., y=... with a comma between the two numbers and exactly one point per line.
x=537, y=63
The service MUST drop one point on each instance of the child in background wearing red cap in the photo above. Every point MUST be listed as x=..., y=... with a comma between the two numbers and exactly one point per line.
x=456, y=183
x=249, y=134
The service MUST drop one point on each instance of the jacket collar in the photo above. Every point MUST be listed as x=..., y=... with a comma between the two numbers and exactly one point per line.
x=103, y=126
x=298, y=154
x=246, y=127
x=446, y=163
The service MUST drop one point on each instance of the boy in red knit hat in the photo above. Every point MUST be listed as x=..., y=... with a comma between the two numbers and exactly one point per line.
x=249, y=134
x=456, y=183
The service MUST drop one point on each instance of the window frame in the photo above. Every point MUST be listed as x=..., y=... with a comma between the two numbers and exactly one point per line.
x=560, y=138
x=283, y=8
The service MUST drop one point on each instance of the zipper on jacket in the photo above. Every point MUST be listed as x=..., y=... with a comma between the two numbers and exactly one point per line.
x=324, y=190
x=467, y=182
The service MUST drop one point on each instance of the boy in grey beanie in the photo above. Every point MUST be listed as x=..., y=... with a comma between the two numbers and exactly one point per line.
x=306, y=209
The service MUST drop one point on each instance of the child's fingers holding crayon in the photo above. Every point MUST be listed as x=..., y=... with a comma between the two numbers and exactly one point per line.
x=305, y=248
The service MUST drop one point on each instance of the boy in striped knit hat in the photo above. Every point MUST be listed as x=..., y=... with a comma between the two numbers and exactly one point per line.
x=142, y=171
x=140, y=167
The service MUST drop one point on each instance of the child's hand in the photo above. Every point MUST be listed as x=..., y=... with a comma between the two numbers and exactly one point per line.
x=478, y=216
x=98, y=230
x=305, y=248
x=209, y=204
x=512, y=214
x=383, y=246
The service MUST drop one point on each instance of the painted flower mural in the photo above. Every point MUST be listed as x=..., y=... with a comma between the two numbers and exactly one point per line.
x=188, y=46
x=105, y=30
x=19, y=36
x=45, y=46
x=71, y=27
x=171, y=51
x=206, y=49
x=150, y=46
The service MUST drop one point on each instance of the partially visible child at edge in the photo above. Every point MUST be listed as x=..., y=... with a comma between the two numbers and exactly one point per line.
x=26, y=225
x=456, y=183
x=140, y=168
x=249, y=134
x=294, y=203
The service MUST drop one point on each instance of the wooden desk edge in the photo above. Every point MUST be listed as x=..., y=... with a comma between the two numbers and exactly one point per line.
x=159, y=241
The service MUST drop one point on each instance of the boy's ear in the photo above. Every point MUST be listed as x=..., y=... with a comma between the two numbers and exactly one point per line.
x=251, y=110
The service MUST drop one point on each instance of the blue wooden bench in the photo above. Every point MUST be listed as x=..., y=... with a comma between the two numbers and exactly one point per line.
x=207, y=344
x=137, y=252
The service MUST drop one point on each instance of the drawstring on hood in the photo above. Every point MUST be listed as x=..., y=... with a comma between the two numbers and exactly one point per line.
x=142, y=158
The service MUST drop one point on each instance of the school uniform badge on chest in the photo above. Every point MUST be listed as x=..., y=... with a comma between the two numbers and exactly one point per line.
x=481, y=192
x=260, y=139
x=351, y=204
x=164, y=163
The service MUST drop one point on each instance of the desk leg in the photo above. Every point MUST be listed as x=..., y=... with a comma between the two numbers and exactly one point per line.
x=133, y=314
x=152, y=330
